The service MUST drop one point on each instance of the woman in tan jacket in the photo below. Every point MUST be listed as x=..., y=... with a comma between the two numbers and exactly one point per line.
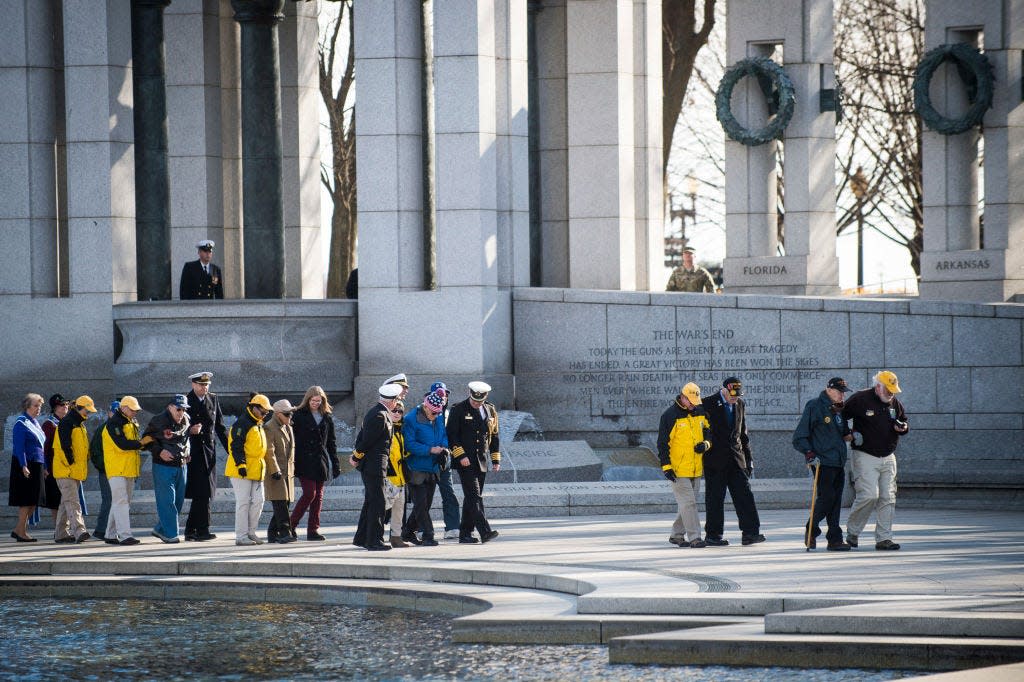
x=278, y=482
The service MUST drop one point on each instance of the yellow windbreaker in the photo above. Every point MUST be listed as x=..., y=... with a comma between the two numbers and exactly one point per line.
x=249, y=429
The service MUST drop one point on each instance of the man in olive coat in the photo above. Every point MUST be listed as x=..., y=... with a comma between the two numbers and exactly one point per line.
x=206, y=420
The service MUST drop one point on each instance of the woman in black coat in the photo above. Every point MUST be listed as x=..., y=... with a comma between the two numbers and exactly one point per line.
x=316, y=457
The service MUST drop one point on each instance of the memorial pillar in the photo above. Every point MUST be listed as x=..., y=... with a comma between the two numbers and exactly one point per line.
x=262, y=206
x=152, y=186
x=601, y=141
x=966, y=258
x=809, y=266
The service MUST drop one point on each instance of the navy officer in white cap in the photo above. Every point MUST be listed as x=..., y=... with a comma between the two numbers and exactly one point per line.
x=200, y=279
x=473, y=437
x=207, y=427
x=370, y=457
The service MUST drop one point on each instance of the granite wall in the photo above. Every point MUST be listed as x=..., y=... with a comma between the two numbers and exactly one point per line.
x=602, y=366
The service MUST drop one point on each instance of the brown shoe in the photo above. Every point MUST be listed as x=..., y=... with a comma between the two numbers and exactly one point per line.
x=397, y=542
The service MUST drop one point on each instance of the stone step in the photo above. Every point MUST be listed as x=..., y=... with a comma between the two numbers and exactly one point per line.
x=747, y=644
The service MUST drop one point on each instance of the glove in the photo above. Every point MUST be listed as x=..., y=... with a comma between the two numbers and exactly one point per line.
x=276, y=476
x=242, y=471
x=809, y=455
x=669, y=474
x=701, y=447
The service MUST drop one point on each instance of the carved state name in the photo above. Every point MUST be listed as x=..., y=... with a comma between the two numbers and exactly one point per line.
x=969, y=264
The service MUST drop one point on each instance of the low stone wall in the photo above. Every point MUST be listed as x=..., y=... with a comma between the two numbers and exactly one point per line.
x=602, y=366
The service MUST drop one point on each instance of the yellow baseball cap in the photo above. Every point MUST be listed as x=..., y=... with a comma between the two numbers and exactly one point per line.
x=130, y=402
x=260, y=400
x=86, y=402
x=889, y=380
x=692, y=393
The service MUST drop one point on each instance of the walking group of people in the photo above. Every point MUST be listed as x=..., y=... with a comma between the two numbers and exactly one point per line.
x=409, y=455
x=268, y=446
x=707, y=438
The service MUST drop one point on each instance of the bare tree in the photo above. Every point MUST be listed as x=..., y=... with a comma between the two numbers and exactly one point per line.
x=340, y=178
x=681, y=41
x=878, y=45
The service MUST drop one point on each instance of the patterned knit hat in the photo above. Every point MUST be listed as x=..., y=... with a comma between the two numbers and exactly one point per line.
x=434, y=402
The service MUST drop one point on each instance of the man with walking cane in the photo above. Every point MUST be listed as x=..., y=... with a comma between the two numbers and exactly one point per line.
x=821, y=436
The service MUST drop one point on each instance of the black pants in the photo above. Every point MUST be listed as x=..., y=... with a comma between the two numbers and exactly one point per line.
x=472, y=480
x=370, y=531
x=738, y=484
x=279, y=526
x=198, y=521
x=422, y=498
x=828, y=503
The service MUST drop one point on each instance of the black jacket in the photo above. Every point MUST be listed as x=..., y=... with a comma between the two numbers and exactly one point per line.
x=202, y=469
x=875, y=421
x=316, y=453
x=472, y=436
x=168, y=435
x=729, y=444
x=373, y=443
x=196, y=284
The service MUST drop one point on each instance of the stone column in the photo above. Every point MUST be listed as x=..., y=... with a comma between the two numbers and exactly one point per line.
x=601, y=140
x=300, y=111
x=195, y=126
x=961, y=261
x=752, y=264
x=648, y=164
x=262, y=206
x=152, y=187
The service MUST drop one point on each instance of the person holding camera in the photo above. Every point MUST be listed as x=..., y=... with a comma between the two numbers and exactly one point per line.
x=728, y=464
x=878, y=422
x=370, y=457
x=166, y=438
x=426, y=441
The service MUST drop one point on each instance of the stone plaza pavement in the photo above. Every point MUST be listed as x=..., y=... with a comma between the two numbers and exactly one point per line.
x=952, y=598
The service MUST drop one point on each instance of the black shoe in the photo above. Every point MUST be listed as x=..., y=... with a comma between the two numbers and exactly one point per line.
x=428, y=543
x=358, y=544
x=112, y=541
x=65, y=541
x=100, y=536
x=838, y=547
x=752, y=539
x=203, y=537
x=21, y=539
x=886, y=545
x=468, y=540
x=697, y=544
x=411, y=539
x=82, y=538
x=378, y=548
x=851, y=540
x=127, y=542
x=677, y=540
x=812, y=544
x=191, y=537
x=285, y=540
x=315, y=537
x=488, y=536
x=714, y=541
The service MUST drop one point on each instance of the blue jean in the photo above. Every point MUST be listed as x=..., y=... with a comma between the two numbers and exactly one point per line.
x=449, y=503
x=105, y=499
x=169, y=489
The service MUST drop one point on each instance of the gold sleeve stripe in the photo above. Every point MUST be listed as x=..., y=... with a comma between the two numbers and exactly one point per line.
x=458, y=451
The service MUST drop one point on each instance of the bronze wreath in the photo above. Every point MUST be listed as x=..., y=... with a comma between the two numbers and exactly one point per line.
x=777, y=87
x=977, y=74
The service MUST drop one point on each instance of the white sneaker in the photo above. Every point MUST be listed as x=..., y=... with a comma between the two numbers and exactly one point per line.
x=451, y=534
x=245, y=541
x=256, y=540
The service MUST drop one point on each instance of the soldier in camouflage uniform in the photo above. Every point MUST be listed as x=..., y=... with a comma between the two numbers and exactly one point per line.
x=690, y=277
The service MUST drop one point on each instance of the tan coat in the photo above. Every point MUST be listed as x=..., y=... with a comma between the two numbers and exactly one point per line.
x=280, y=457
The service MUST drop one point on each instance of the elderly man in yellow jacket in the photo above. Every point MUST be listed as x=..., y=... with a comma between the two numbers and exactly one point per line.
x=683, y=437
x=122, y=462
x=247, y=446
x=70, y=468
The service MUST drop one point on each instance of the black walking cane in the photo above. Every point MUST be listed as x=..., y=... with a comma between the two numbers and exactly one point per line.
x=814, y=497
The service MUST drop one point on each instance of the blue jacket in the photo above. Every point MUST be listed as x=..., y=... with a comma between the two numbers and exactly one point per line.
x=822, y=430
x=27, y=439
x=420, y=435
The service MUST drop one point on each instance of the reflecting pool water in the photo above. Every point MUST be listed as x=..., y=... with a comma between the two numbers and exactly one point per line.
x=137, y=639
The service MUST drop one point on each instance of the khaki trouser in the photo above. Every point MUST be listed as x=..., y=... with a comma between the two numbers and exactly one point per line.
x=686, y=491
x=70, y=523
x=874, y=485
x=119, y=525
x=248, y=506
x=395, y=496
